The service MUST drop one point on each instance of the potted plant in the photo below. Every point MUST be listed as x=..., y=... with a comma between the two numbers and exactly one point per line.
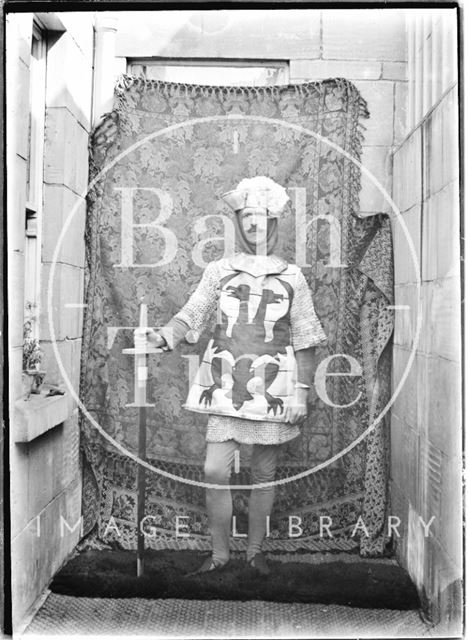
x=33, y=376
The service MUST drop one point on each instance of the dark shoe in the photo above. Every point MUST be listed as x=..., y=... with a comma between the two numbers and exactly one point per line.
x=208, y=565
x=259, y=563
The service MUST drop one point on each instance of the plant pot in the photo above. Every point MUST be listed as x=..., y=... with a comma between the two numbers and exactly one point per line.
x=37, y=379
x=27, y=382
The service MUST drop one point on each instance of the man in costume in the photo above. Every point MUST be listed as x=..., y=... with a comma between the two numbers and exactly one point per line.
x=257, y=368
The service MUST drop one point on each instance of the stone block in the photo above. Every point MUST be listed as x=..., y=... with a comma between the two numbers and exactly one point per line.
x=425, y=341
x=437, y=59
x=377, y=34
x=66, y=151
x=25, y=23
x=445, y=318
x=432, y=557
x=70, y=509
x=450, y=48
x=17, y=104
x=400, y=128
x=394, y=71
x=399, y=508
x=60, y=204
x=43, y=469
x=405, y=406
x=15, y=368
x=451, y=508
x=15, y=315
x=443, y=503
x=377, y=160
x=404, y=455
x=279, y=35
x=16, y=204
x=36, y=558
x=433, y=153
x=450, y=136
x=120, y=66
x=407, y=173
x=323, y=69
x=66, y=89
x=406, y=243
x=400, y=359
x=55, y=462
x=431, y=481
x=19, y=487
x=439, y=390
x=19, y=35
x=67, y=289
x=380, y=101
x=441, y=146
x=415, y=547
x=69, y=352
x=441, y=333
x=406, y=315
x=79, y=26
x=441, y=240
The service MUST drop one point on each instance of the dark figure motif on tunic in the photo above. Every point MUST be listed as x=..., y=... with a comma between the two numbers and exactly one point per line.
x=249, y=350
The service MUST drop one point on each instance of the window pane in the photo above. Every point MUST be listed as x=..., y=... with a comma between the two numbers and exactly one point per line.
x=36, y=118
x=212, y=74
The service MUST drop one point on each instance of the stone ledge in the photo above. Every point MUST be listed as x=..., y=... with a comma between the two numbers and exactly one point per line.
x=39, y=414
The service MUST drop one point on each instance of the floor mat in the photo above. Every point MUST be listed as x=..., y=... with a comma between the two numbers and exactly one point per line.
x=63, y=616
x=112, y=574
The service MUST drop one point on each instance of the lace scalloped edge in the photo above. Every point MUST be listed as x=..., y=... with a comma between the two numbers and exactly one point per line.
x=172, y=89
x=124, y=82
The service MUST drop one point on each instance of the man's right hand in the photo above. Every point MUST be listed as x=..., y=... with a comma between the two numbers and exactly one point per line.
x=150, y=335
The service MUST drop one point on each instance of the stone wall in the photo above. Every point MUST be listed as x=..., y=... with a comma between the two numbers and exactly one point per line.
x=45, y=474
x=426, y=418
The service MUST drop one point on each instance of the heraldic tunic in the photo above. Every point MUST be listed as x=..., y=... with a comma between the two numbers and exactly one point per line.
x=264, y=313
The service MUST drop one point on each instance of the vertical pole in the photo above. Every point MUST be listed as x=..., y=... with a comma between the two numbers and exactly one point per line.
x=105, y=29
x=142, y=369
x=141, y=480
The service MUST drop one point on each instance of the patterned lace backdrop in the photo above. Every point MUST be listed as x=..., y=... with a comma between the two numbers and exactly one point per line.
x=195, y=163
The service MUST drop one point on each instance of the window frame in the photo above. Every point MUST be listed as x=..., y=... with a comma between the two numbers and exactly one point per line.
x=35, y=171
x=282, y=65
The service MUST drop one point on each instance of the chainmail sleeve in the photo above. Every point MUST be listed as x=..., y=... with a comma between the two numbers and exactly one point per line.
x=306, y=330
x=201, y=305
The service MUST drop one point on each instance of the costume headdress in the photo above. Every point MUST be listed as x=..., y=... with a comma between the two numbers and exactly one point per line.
x=258, y=192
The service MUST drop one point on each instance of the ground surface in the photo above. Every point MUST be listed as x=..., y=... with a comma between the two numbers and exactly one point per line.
x=62, y=615
x=66, y=615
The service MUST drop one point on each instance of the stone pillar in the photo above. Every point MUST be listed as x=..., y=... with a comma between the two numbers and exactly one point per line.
x=105, y=28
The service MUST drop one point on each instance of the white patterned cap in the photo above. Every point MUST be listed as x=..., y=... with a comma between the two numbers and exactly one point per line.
x=258, y=192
